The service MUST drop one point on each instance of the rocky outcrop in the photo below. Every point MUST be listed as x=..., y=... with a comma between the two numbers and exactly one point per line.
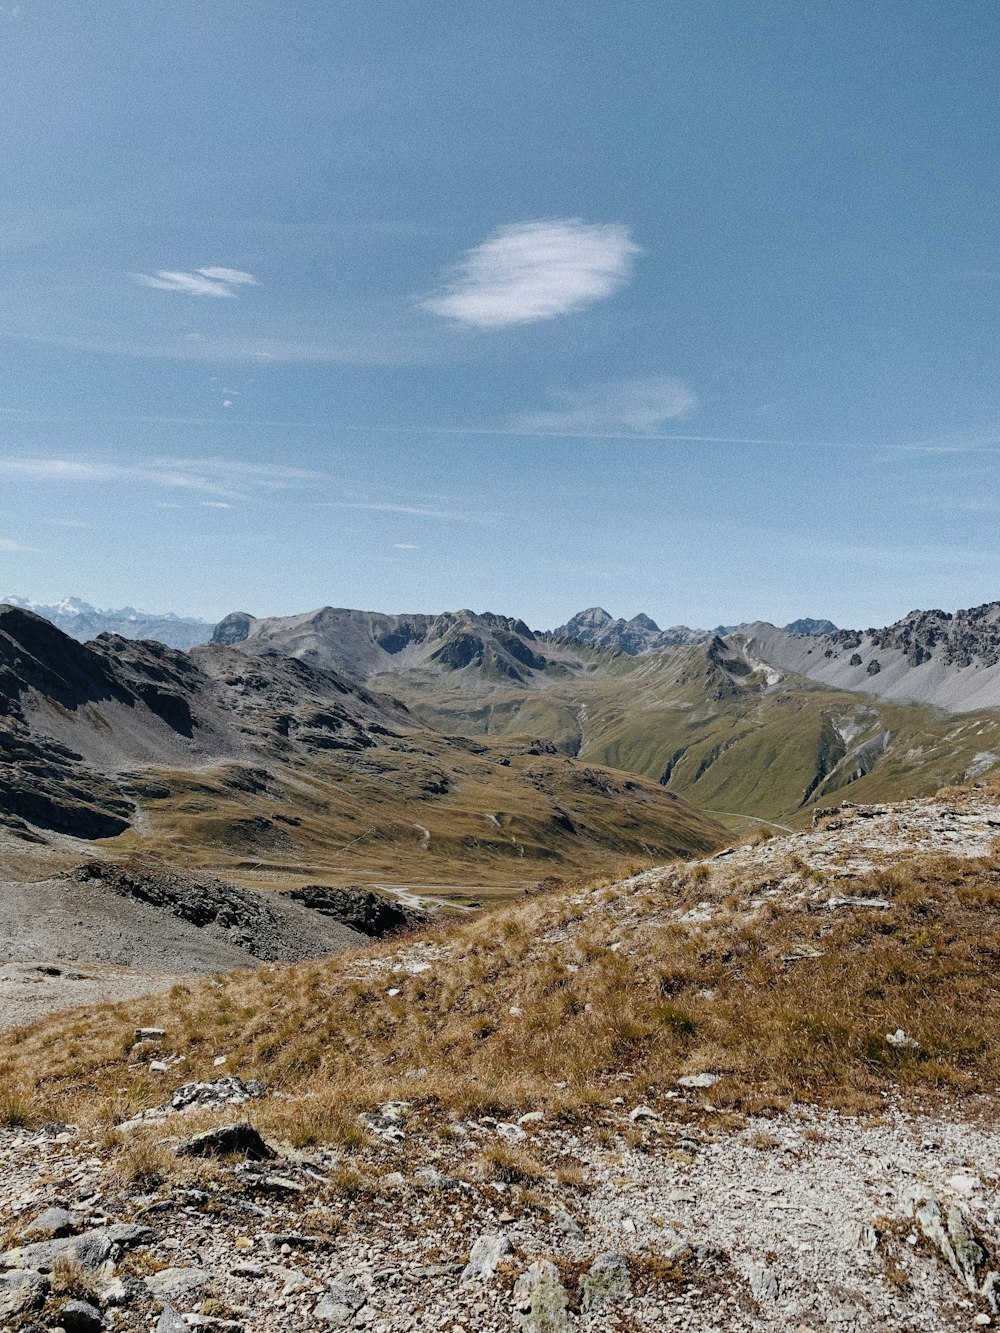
x=950, y=660
x=369, y=913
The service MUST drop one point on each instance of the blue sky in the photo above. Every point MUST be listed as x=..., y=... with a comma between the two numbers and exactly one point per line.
x=688, y=307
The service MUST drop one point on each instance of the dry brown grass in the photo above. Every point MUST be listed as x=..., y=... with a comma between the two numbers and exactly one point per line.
x=512, y=1165
x=674, y=998
x=70, y=1278
x=144, y=1164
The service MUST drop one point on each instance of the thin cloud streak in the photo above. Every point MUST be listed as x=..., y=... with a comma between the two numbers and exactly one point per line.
x=639, y=406
x=9, y=544
x=532, y=271
x=219, y=349
x=414, y=510
x=987, y=445
x=75, y=472
x=212, y=281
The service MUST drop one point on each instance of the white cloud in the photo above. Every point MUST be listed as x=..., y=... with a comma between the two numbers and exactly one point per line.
x=405, y=546
x=217, y=478
x=531, y=271
x=235, y=276
x=8, y=544
x=641, y=407
x=214, y=504
x=200, y=282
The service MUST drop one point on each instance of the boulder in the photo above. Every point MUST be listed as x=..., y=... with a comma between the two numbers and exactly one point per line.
x=607, y=1282
x=89, y=1250
x=228, y=1140
x=53, y=1224
x=228, y=1091
x=540, y=1300
x=171, y=1284
x=170, y=1321
x=81, y=1317
x=948, y=1230
x=339, y=1303
x=20, y=1292
x=487, y=1255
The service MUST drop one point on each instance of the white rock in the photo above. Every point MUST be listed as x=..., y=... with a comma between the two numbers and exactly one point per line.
x=487, y=1254
x=699, y=1080
x=901, y=1041
x=642, y=1113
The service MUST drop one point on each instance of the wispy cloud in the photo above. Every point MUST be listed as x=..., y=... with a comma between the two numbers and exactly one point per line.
x=211, y=281
x=66, y=523
x=76, y=471
x=416, y=510
x=214, y=504
x=530, y=271
x=216, y=477
x=405, y=546
x=642, y=406
x=8, y=544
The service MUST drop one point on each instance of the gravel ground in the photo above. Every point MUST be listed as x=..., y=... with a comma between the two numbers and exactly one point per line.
x=799, y=1222
x=30, y=991
x=69, y=941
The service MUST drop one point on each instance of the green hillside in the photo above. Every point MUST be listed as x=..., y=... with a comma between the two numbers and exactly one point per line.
x=721, y=730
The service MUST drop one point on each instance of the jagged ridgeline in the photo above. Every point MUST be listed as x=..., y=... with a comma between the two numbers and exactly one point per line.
x=751, y=722
x=278, y=763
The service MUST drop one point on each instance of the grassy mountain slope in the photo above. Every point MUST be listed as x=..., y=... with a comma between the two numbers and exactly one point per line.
x=275, y=766
x=743, y=965
x=726, y=732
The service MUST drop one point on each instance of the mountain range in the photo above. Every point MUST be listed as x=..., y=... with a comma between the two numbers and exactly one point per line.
x=82, y=621
x=279, y=765
x=642, y=635
x=470, y=742
x=760, y=723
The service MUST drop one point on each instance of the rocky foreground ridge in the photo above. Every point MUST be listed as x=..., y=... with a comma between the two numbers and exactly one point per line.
x=754, y=1093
